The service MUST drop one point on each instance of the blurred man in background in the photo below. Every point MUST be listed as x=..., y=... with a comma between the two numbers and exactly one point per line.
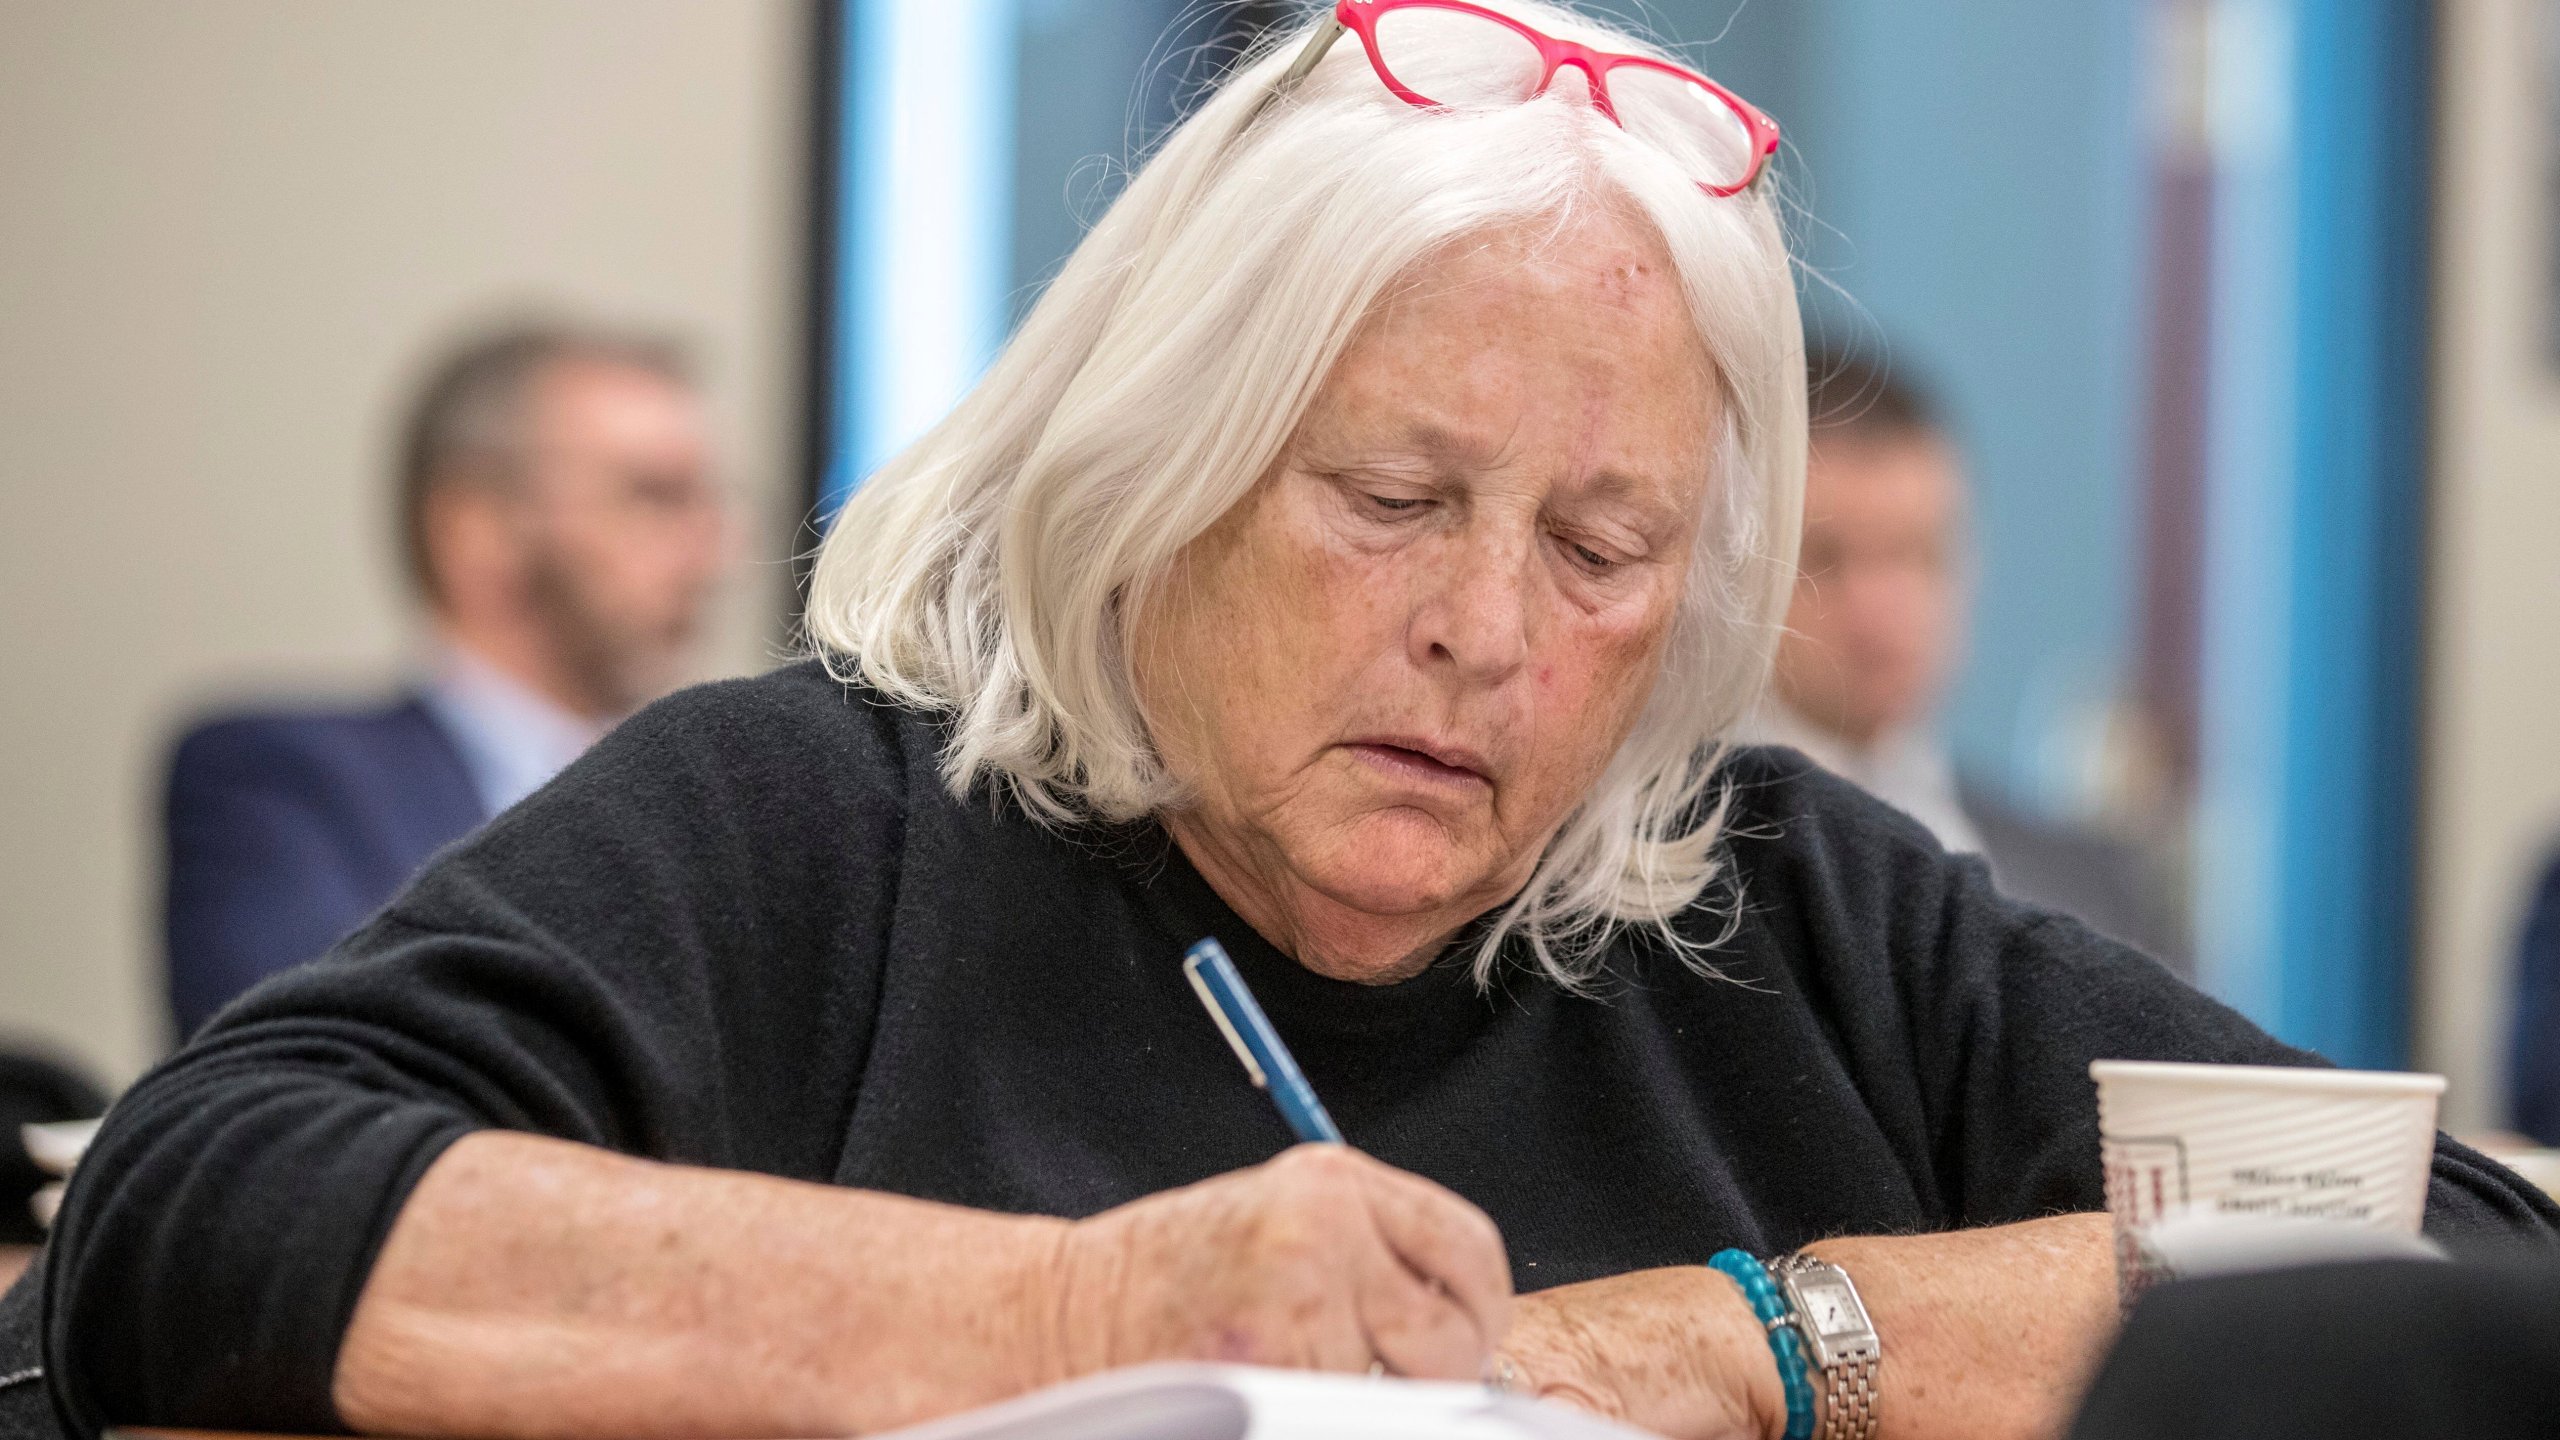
x=1874, y=637
x=2533, y=1060
x=562, y=525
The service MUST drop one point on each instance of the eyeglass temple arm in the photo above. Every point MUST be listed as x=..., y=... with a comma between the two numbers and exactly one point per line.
x=1311, y=53
x=1308, y=55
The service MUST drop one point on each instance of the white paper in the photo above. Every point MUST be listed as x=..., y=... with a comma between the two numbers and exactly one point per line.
x=1238, y=1402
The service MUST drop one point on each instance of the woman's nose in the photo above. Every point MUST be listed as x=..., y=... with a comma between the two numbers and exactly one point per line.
x=1476, y=600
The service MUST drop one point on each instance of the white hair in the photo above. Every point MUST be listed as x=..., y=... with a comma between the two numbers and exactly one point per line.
x=991, y=571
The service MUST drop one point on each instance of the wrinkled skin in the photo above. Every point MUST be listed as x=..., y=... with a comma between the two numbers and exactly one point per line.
x=1392, y=671
x=1322, y=1259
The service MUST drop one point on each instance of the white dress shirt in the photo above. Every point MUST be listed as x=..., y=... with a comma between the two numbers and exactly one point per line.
x=1909, y=770
x=512, y=739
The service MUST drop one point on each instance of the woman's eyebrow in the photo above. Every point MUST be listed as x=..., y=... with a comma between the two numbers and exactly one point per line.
x=1440, y=442
x=1443, y=443
x=1640, y=498
x=1441, y=446
x=1413, y=447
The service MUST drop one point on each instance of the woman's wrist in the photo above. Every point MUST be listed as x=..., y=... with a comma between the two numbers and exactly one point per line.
x=1675, y=1350
x=1050, y=1332
x=1744, y=1339
x=987, y=1327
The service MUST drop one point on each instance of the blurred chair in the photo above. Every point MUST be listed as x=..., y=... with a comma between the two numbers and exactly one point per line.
x=1873, y=640
x=2412, y=1351
x=36, y=1088
x=564, y=530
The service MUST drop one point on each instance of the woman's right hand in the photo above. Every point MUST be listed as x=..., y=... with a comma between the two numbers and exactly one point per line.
x=1321, y=1259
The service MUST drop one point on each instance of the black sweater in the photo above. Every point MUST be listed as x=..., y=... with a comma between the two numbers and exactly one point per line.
x=752, y=929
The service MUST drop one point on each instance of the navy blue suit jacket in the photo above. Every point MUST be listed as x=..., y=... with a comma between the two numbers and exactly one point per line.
x=2533, y=1063
x=286, y=830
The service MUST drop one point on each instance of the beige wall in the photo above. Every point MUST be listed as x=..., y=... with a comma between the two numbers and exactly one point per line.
x=2493, y=685
x=226, y=231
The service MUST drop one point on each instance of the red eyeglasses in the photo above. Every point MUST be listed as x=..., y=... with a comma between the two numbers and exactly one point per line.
x=1448, y=53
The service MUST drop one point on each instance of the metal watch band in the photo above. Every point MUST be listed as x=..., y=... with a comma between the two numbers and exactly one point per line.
x=1849, y=1400
x=1846, y=1408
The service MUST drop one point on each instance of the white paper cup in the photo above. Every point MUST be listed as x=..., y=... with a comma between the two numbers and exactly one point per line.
x=2343, y=1146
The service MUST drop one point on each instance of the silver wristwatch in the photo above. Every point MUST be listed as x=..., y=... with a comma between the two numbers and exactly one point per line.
x=1840, y=1341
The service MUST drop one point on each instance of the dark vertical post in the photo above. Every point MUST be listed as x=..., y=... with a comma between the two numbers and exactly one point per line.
x=822, y=360
x=2179, y=340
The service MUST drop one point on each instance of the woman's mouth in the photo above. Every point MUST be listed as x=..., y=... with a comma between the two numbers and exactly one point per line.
x=1426, y=761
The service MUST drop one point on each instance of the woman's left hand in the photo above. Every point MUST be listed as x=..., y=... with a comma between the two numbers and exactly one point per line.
x=1676, y=1351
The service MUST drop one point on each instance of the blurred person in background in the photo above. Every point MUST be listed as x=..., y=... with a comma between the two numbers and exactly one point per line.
x=2533, y=1061
x=562, y=525
x=1874, y=637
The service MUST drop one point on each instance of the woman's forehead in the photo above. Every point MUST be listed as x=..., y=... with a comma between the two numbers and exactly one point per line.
x=1603, y=256
x=1575, y=346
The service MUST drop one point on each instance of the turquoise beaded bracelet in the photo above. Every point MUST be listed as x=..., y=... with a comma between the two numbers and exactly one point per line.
x=1795, y=1375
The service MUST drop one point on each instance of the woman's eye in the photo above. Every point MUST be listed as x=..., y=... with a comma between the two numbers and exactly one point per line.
x=1394, y=504
x=1589, y=558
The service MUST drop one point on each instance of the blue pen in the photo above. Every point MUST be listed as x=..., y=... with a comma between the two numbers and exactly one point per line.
x=1256, y=1043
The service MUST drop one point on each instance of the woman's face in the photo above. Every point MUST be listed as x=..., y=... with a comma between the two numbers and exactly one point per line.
x=1391, y=672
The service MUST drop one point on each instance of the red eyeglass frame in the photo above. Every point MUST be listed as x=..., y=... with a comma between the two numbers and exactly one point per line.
x=1360, y=17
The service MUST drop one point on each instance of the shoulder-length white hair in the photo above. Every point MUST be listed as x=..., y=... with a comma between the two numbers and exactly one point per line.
x=991, y=570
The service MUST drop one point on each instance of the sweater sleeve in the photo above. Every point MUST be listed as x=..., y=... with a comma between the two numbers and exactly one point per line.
x=670, y=951
x=2021, y=1000
x=1969, y=1019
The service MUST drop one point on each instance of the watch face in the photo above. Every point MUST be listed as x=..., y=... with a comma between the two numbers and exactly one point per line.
x=1832, y=1312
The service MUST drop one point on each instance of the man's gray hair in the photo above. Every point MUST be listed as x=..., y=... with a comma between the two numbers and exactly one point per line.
x=467, y=424
x=991, y=571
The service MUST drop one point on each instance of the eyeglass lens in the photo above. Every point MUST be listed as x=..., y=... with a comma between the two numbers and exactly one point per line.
x=1686, y=118
x=1451, y=57
x=1463, y=60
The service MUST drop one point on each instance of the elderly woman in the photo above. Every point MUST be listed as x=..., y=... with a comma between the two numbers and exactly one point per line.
x=1356, y=557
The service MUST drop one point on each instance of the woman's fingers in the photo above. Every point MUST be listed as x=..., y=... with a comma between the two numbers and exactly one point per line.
x=1322, y=1258
x=1449, y=1246
x=1333, y=1338
x=1415, y=1327
x=1418, y=1272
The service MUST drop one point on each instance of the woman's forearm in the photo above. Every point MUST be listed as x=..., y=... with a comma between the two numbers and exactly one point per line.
x=532, y=1287
x=1987, y=1333
x=535, y=1287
